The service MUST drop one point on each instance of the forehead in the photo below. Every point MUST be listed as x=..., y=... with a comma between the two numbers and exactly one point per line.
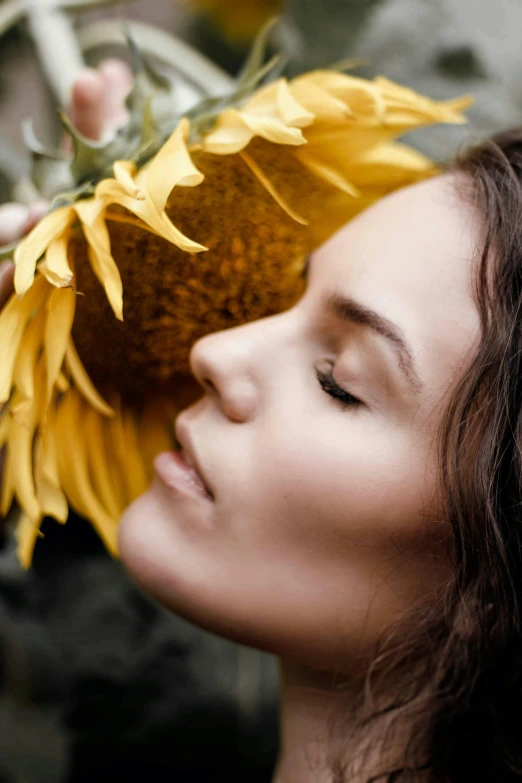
x=411, y=257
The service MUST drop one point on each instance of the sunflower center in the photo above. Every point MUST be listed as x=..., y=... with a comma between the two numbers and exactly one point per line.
x=252, y=269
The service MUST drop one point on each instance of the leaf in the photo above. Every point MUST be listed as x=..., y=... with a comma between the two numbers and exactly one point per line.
x=257, y=54
x=92, y=160
x=195, y=68
x=150, y=103
x=51, y=169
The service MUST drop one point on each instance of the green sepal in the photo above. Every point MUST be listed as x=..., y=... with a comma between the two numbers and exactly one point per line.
x=257, y=54
x=92, y=160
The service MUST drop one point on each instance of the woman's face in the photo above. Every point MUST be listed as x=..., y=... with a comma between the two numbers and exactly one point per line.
x=316, y=440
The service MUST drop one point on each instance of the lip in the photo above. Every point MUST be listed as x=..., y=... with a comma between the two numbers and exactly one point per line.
x=180, y=470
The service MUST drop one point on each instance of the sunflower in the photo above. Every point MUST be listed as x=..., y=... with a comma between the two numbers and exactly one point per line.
x=194, y=224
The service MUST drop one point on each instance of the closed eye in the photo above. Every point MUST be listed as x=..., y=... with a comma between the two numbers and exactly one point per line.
x=330, y=387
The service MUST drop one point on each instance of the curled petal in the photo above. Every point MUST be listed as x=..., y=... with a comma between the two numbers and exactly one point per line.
x=230, y=134
x=291, y=110
x=27, y=531
x=272, y=129
x=124, y=172
x=329, y=173
x=270, y=188
x=34, y=245
x=170, y=167
x=49, y=492
x=112, y=192
x=97, y=236
x=74, y=473
x=13, y=320
x=82, y=381
x=61, y=307
x=28, y=355
x=57, y=262
x=100, y=464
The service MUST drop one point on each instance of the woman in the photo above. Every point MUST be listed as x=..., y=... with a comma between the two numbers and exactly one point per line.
x=349, y=489
x=348, y=495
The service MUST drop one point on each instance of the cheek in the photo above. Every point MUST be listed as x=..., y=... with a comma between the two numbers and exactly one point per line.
x=366, y=488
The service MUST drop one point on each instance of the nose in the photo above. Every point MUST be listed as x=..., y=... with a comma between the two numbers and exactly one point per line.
x=223, y=364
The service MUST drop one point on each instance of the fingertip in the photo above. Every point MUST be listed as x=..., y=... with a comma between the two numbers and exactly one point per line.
x=37, y=210
x=88, y=88
x=12, y=221
x=87, y=103
x=116, y=73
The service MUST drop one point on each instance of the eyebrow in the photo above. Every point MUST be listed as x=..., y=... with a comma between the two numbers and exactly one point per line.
x=350, y=311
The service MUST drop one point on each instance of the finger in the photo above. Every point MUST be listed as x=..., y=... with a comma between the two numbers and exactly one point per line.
x=6, y=281
x=117, y=79
x=87, y=103
x=36, y=213
x=13, y=218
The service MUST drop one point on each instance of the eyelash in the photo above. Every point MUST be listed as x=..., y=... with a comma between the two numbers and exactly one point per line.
x=328, y=385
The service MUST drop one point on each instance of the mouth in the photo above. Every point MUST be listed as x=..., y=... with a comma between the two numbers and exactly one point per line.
x=180, y=470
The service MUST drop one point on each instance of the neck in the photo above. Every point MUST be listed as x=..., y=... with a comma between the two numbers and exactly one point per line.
x=318, y=730
x=310, y=702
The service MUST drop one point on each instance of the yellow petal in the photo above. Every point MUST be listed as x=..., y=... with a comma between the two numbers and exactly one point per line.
x=112, y=192
x=49, y=492
x=325, y=107
x=89, y=210
x=97, y=236
x=61, y=307
x=124, y=436
x=62, y=384
x=21, y=434
x=291, y=110
x=56, y=261
x=13, y=320
x=270, y=188
x=26, y=534
x=329, y=173
x=124, y=171
x=7, y=486
x=388, y=166
x=135, y=466
x=171, y=166
x=363, y=97
x=100, y=468
x=272, y=129
x=71, y=438
x=3, y=428
x=156, y=433
x=34, y=245
x=83, y=383
x=229, y=135
x=28, y=355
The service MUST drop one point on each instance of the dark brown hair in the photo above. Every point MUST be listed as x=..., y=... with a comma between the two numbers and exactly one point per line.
x=460, y=663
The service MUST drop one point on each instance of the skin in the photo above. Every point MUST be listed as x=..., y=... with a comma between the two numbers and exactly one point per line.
x=323, y=527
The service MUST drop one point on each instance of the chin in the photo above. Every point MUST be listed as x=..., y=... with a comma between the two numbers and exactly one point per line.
x=161, y=555
x=168, y=564
x=137, y=547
